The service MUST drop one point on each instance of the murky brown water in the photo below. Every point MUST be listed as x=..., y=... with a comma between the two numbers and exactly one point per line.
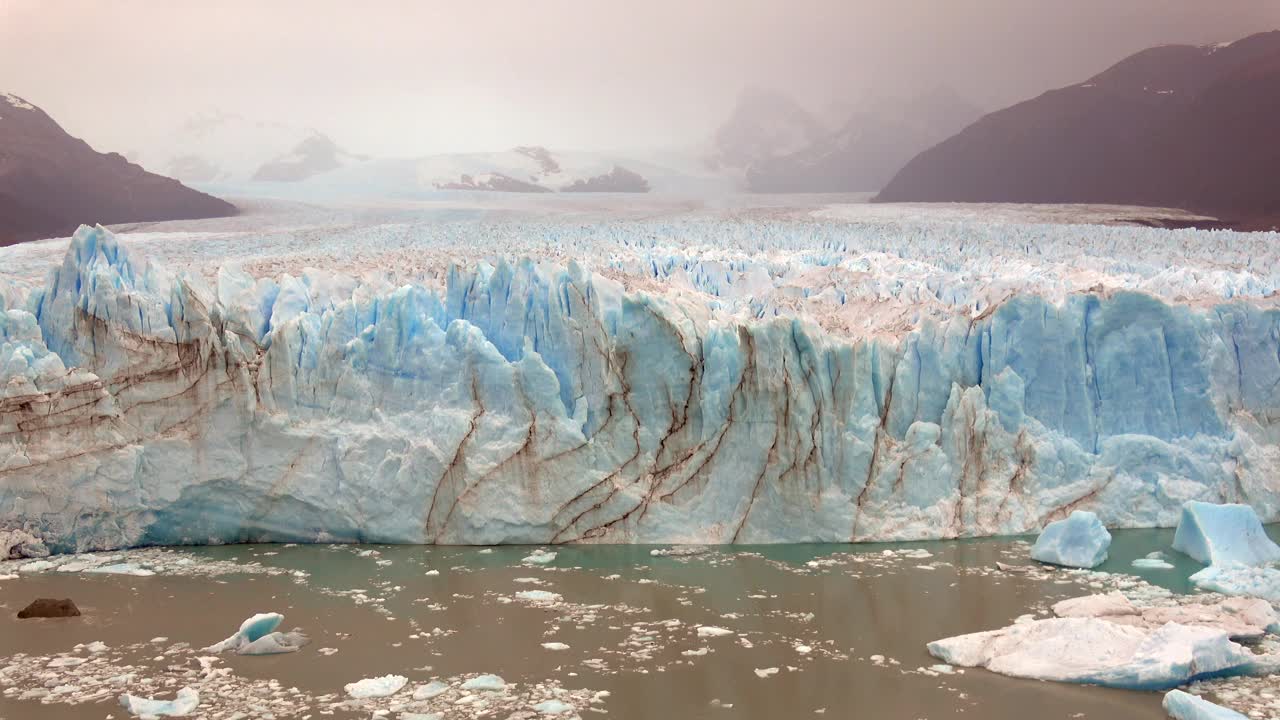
x=861, y=606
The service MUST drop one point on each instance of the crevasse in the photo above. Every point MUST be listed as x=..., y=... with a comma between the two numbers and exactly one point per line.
x=532, y=402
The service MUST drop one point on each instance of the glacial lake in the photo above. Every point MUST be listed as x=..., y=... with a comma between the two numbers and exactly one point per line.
x=809, y=630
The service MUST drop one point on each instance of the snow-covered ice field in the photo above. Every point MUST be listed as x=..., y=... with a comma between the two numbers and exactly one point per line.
x=478, y=370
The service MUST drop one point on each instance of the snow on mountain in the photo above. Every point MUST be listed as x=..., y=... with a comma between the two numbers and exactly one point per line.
x=221, y=147
x=694, y=379
x=764, y=124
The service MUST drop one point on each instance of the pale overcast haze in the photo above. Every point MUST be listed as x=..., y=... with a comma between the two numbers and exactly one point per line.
x=399, y=78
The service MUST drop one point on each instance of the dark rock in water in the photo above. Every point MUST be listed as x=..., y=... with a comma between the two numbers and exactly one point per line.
x=49, y=608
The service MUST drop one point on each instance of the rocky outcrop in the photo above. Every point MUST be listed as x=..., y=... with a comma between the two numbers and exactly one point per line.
x=618, y=180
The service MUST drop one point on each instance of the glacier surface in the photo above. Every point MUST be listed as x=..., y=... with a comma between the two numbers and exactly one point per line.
x=691, y=380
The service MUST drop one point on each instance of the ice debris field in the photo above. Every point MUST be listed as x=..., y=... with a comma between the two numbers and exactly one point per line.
x=747, y=378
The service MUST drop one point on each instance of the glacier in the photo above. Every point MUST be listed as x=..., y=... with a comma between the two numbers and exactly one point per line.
x=668, y=381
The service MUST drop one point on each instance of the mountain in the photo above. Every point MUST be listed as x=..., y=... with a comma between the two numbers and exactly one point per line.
x=872, y=145
x=314, y=155
x=219, y=148
x=51, y=182
x=764, y=124
x=1176, y=126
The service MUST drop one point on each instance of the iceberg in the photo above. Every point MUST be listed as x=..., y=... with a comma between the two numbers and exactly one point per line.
x=186, y=701
x=1080, y=540
x=1185, y=706
x=257, y=636
x=1224, y=535
x=1099, y=652
x=677, y=382
x=376, y=687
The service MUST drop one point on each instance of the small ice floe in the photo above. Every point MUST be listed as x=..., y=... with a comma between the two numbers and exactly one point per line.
x=430, y=690
x=257, y=636
x=1078, y=541
x=485, y=683
x=61, y=662
x=1185, y=706
x=712, y=631
x=555, y=646
x=121, y=569
x=695, y=653
x=766, y=672
x=1148, y=563
x=803, y=649
x=539, y=557
x=418, y=716
x=35, y=566
x=539, y=596
x=431, y=573
x=553, y=707
x=486, y=551
x=376, y=687
x=186, y=701
x=680, y=551
x=1006, y=567
x=528, y=581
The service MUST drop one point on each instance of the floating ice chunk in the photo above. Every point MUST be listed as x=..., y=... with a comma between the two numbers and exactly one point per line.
x=420, y=716
x=539, y=596
x=487, y=683
x=61, y=662
x=539, y=557
x=186, y=700
x=430, y=690
x=712, y=631
x=1152, y=564
x=1078, y=541
x=35, y=566
x=766, y=672
x=1114, y=603
x=1099, y=652
x=555, y=646
x=257, y=636
x=121, y=569
x=1223, y=534
x=376, y=687
x=1185, y=706
x=1243, y=580
x=274, y=643
x=553, y=707
x=431, y=573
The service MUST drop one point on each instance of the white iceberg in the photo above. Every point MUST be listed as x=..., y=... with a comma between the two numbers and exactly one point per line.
x=1185, y=706
x=182, y=705
x=1099, y=652
x=430, y=690
x=1080, y=540
x=377, y=687
x=1224, y=535
x=553, y=707
x=486, y=683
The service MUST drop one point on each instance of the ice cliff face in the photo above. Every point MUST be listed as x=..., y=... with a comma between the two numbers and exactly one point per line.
x=540, y=402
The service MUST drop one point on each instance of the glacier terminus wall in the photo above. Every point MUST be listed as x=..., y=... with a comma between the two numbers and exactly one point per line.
x=687, y=382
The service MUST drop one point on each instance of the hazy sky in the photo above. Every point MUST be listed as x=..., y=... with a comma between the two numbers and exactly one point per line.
x=388, y=78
